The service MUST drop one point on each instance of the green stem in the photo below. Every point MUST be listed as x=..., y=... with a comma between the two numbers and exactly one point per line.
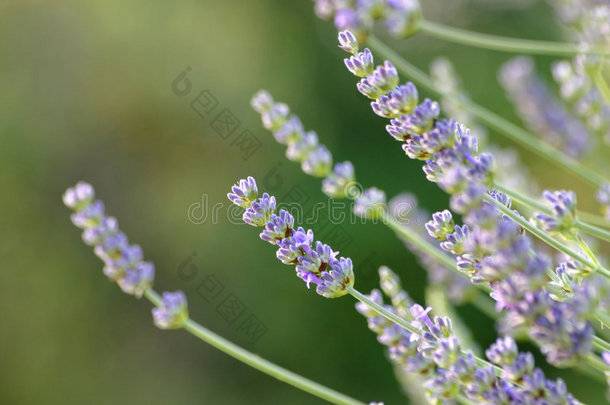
x=601, y=344
x=601, y=84
x=586, y=227
x=546, y=238
x=593, y=218
x=405, y=324
x=259, y=363
x=510, y=130
x=504, y=44
x=592, y=230
x=597, y=363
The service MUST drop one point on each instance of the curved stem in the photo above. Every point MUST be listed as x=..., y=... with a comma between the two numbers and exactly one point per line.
x=259, y=363
x=597, y=363
x=546, y=238
x=504, y=44
x=510, y=130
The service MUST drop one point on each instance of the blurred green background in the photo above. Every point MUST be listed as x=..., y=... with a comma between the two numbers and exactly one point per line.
x=86, y=93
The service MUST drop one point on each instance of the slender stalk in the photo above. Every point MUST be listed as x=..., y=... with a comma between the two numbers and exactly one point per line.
x=602, y=86
x=583, y=224
x=601, y=344
x=593, y=218
x=504, y=44
x=603, y=318
x=546, y=238
x=259, y=363
x=597, y=363
x=593, y=230
x=510, y=130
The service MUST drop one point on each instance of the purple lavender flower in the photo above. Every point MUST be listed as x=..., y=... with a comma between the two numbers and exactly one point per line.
x=441, y=225
x=318, y=163
x=371, y=204
x=173, y=311
x=319, y=265
x=278, y=227
x=360, y=64
x=300, y=149
x=244, y=192
x=347, y=41
x=563, y=206
x=540, y=111
x=435, y=353
x=335, y=185
x=259, y=212
x=123, y=263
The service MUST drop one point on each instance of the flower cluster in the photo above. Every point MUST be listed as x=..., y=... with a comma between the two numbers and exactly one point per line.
x=448, y=148
x=315, y=262
x=315, y=158
x=401, y=17
x=433, y=351
x=540, y=110
x=579, y=92
x=123, y=262
x=510, y=171
x=492, y=249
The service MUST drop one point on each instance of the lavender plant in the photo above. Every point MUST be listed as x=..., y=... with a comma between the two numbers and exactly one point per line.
x=546, y=275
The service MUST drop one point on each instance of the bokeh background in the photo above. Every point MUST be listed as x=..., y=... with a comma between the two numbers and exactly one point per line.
x=86, y=93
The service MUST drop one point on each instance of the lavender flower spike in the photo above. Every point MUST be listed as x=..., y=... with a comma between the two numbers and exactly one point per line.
x=315, y=263
x=303, y=147
x=123, y=263
x=173, y=311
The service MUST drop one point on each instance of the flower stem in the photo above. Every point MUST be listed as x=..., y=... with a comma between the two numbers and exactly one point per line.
x=601, y=84
x=584, y=225
x=597, y=363
x=259, y=363
x=510, y=130
x=601, y=344
x=546, y=238
x=504, y=44
x=593, y=230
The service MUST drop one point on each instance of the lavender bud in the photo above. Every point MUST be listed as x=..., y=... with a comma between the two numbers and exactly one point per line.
x=262, y=101
x=336, y=281
x=371, y=204
x=360, y=64
x=336, y=184
x=301, y=148
x=173, y=311
x=260, y=211
x=441, y=225
x=318, y=163
x=348, y=42
x=291, y=131
x=79, y=196
x=244, y=192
